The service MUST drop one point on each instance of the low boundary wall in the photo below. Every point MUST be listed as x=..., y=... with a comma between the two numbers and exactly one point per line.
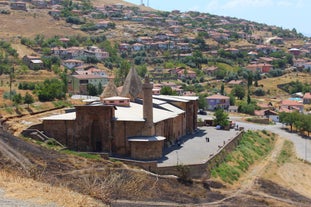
x=193, y=171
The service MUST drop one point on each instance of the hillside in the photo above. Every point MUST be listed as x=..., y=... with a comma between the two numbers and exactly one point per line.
x=81, y=178
x=190, y=52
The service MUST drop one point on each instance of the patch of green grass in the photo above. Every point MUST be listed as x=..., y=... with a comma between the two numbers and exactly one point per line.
x=9, y=110
x=286, y=152
x=83, y=154
x=61, y=103
x=253, y=146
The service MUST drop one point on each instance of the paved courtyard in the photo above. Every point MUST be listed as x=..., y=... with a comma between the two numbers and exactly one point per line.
x=195, y=148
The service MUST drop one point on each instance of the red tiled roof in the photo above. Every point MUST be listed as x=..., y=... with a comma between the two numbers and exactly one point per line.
x=288, y=102
x=307, y=96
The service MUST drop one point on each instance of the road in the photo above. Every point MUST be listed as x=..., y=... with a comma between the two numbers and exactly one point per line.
x=302, y=144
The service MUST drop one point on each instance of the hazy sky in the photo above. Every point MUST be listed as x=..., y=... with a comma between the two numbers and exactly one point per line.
x=288, y=14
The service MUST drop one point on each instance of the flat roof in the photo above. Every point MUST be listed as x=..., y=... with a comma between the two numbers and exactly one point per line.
x=134, y=112
x=170, y=98
x=116, y=98
x=146, y=139
x=65, y=117
x=172, y=108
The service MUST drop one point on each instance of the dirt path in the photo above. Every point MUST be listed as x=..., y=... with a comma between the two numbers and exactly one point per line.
x=248, y=183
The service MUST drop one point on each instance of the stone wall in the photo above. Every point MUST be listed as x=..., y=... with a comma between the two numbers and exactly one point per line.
x=149, y=150
x=123, y=130
x=197, y=171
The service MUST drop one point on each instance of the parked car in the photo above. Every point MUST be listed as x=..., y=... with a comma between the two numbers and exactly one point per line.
x=202, y=112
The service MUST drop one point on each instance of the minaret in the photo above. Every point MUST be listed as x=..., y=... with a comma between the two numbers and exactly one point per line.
x=148, y=108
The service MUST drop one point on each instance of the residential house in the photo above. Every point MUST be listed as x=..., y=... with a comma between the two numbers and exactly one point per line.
x=265, y=60
x=210, y=71
x=78, y=81
x=186, y=73
x=74, y=52
x=299, y=63
x=175, y=29
x=137, y=47
x=183, y=46
x=72, y=63
x=144, y=39
x=59, y=51
x=307, y=65
x=103, y=24
x=217, y=101
x=33, y=62
x=55, y=12
x=94, y=51
x=236, y=82
x=261, y=68
x=124, y=47
x=161, y=37
x=40, y=4
x=232, y=50
x=307, y=98
x=291, y=105
x=267, y=113
x=19, y=5
x=294, y=51
x=276, y=40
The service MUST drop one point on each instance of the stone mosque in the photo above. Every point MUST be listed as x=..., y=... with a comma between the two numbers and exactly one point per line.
x=134, y=123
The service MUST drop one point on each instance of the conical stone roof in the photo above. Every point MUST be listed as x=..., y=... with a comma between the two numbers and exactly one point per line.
x=110, y=90
x=132, y=86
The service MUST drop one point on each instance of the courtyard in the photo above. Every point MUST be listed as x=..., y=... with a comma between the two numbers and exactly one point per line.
x=197, y=148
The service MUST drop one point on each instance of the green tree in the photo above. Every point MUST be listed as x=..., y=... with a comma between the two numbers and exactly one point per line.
x=99, y=88
x=50, y=90
x=91, y=90
x=17, y=99
x=248, y=98
x=221, y=118
x=288, y=118
x=166, y=90
x=122, y=72
x=202, y=102
x=28, y=99
x=232, y=100
x=222, y=89
x=142, y=70
x=238, y=91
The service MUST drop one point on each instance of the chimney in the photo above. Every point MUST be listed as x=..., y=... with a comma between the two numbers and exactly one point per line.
x=148, y=107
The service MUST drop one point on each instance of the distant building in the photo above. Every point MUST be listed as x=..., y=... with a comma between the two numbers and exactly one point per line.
x=19, y=5
x=217, y=101
x=33, y=62
x=307, y=98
